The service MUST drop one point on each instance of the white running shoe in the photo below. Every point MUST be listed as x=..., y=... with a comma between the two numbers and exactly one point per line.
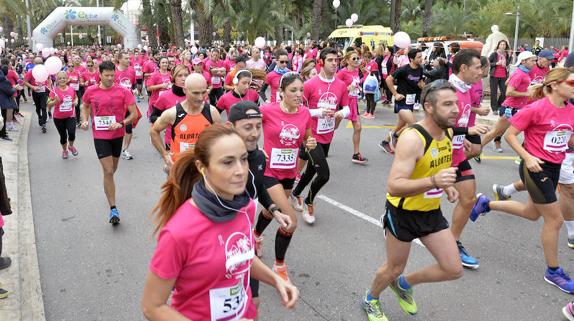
x=127, y=155
x=308, y=216
x=296, y=202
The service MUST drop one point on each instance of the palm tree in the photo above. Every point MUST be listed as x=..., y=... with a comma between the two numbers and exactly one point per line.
x=177, y=21
x=146, y=20
x=317, y=18
x=427, y=18
x=396, y=15
x=261, y=18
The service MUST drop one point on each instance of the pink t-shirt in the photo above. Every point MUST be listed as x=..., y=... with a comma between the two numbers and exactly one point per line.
x=283, y=134
x=198, y=254
x=155, y=79
x=64, y=109
x=13, y=78
x=166, y=100
x=125, y=78
x=80, y=69
x=216, y=81
x=500, y=70
x=464, y=104
x=230, y=98
x=476, y=92
x=137, y=64
x=273, y=79
x=547, y=129
x=259, y=64
x=90, y=78
x=32, y=81
x=537, y=74
x=520, y=81
x=149, y=67
x=332, y=95
x=74, y=79
x=350, y=77
x=107, y=104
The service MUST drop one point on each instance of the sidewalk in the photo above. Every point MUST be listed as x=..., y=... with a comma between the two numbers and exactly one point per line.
x=22, y=279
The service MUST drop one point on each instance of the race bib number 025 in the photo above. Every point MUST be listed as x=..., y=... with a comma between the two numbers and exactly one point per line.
x=557, y=141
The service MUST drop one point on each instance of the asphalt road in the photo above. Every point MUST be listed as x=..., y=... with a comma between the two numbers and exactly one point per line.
x=91, y=271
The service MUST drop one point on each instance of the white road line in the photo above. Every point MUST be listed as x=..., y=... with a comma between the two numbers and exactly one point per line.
x=358, y=214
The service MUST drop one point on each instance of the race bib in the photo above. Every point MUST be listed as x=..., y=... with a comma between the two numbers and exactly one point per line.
x=325, y=125
x=41, y=89
x=185, y=146
x=458, y=141
x=557, y=141
x=228, y=304
x=384, y=71
x=283, y=158
x=215, y=80
x=75, y=86
x=410, y=99
x=434, y=193
x=104, y=122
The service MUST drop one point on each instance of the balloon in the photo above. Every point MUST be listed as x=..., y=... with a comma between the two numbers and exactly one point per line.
x=56, y=50
x=139, y=45
x=12, y=40
x=336, y=3
x=402, y=40
x=194, y=50
x=260, y=42
x=1, y=29
x=53, y=65
x=52, y=51
x=40, y=73
x=354, y=17
x=45, y=52
x=39, y=47
x=145, y=48
x=348, y=23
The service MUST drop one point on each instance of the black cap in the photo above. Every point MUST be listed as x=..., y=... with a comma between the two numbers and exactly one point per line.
x=239, y=111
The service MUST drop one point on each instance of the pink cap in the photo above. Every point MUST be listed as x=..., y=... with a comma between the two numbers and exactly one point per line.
x=197, y=61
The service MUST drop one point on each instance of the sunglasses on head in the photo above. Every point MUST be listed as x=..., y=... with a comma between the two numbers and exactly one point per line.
x=434, y=86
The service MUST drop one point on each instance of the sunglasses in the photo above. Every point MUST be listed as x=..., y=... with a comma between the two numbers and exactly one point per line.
x=569, y=82
x=435, y=86
x=282, y=61
x=355, y=58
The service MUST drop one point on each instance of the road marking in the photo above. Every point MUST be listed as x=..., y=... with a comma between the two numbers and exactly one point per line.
x=358, y=214
x=350, y=125
x=499, y=157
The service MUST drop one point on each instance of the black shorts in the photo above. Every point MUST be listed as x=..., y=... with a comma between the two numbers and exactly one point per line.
x=401, y=105
x=108, y=147
x=254, y=285
x=287, y=183
x=139, y=81
x=473, y=139
x=409, y=225
x=129, y=127
x=541, y=186
x=464, y=171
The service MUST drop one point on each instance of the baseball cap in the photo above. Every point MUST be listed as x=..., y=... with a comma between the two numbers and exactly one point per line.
x=197, y=61
x=239, y=111
x=546, y=54
x=523, y=56
x=569, y=60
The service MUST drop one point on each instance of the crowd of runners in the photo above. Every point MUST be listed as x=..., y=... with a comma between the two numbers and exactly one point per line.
x=209, y=109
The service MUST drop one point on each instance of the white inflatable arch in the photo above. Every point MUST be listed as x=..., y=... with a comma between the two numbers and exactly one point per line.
x=61, y=17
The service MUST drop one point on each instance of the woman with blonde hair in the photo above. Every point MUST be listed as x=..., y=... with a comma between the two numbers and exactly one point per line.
x=547, y=124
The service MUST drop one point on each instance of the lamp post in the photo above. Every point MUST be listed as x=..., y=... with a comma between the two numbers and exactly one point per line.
x=571, y=41
x=517, y=14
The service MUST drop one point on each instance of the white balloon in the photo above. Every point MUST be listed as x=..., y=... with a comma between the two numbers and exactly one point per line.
x=354, y=17
x=336, y=3
x=53, y=65
x=139, y=45
x=52, y=51
x=45, y=52
x=12, y=40
x=145, y=48
x=39, y=47
x=194, y=50
x=40, y=73
x=349, y=23
x=260, y=42
x=402, y=39
x=1, y=29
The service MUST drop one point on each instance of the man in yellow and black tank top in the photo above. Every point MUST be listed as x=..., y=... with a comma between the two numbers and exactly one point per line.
x=420, y=174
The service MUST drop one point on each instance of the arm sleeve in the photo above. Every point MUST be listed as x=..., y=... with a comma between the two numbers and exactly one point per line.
x=460, y=131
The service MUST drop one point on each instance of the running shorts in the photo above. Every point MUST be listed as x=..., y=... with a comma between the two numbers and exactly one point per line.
x=108, y=147
x=567, y=170
x=409, y=225
x=464, y=171
x=541, y=186
x=507, y=112
x=400, y=105
x=287, y=183
x=254, y=285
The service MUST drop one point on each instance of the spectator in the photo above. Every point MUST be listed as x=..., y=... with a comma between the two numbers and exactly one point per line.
x=6, y=100
x=439, y=70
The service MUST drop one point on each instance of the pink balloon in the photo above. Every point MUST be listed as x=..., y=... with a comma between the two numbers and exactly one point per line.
x=45, y=52
x=40, y=73
x=402, y=39
x=53, y=65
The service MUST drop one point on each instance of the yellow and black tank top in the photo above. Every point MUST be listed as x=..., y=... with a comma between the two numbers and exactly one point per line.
x=437, y=156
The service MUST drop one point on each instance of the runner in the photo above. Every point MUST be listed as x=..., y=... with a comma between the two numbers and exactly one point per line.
x=137, y=63
x=325, y=95
x=467, y=70
x=240, y=92
x=286, y=125
x=409, y=85
x=219, y=209
x=350, y=76
x=126, y=77
x=158, y=82
x=420, y=174
x=229, y=84
x=216, y=68
x=106, y=104
x=541, y=68
x=274, y=77
x=80, y=69
x=62, y=99
x=516, y=97
x=256, y=62
x=187, y=120
x=547, y=125
x=39, y=94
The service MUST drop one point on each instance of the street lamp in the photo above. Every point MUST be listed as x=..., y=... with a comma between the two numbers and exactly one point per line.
x=517, y=14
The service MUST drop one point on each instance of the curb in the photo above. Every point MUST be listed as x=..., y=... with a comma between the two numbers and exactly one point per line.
x=25, y=301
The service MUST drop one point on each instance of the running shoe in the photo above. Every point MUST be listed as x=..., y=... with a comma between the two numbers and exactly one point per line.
x=480, y=207
x=372, y=116
x=498, y=150
x=359, y=159
x=498, y=191
x=281, y=270
x=126, y=155
x=114, y=216
x=405, y=297
x=560, y=279
x=373, y=309
x=297, y=202
x=571, y=243
x=5, y=262
x=44, y=130
x=308, y=216
x=517, y=160
x=64, y=154
x=11, y=127
x=259, y=246
x=568, y=311
x=468, y=261
x=392, y=140
x=49, y=115
x=3, y=293
x=385, y=147
x=478, y=159
x=6, y=138
x=73, y=150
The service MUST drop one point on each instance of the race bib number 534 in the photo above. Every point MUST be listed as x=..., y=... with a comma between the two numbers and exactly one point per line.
x=227, y=304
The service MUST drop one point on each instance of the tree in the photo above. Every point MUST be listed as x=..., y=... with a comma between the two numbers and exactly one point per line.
x=427, y=18
x=177, y=20
x=146, y=19
x=396, y=15
x=317, y=18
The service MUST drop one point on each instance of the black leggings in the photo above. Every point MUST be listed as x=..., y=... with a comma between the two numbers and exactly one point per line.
x=79, y=94
x=496, y=84
x=317, y=165
x=371, y=104
x=40, y=100
x=388, y=93
x=66, y=128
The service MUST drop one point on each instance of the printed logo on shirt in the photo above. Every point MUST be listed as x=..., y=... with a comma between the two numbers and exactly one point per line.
x=126, y=83
x=238, y=254
x=289, y=135
x=183, y=127
x=537, y=80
